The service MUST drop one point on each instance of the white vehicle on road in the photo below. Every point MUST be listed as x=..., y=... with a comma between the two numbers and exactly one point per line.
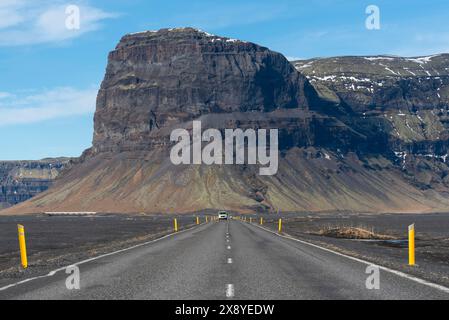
x=222, y=215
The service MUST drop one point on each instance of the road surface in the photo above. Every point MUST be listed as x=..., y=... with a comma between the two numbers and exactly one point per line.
x=224, y=260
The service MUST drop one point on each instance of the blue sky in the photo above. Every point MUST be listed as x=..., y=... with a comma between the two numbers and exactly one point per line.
x=49, y=74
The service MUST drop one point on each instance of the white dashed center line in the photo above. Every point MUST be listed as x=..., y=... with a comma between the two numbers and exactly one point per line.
x=229, y=247
x=229, y=291
x=229, y=260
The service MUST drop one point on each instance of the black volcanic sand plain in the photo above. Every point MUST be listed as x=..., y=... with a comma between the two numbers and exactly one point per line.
x=432, y=239
x=58, y=241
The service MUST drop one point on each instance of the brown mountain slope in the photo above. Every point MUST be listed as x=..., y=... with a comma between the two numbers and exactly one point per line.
x=307, y=181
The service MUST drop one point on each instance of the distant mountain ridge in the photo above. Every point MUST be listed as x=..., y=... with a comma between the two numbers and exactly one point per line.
x=374, y=83
x=358, y=134
x=407, y=97
x=21, y=180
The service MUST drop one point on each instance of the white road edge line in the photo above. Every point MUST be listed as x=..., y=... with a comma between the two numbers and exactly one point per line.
x=229, y=290
x=398, y=273
x=52, y=273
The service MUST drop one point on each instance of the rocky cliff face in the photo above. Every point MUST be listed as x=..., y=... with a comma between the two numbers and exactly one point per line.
x=21, y=180
x=348, y=131
x=380, y=84
x=157, y=80
x=402, y=104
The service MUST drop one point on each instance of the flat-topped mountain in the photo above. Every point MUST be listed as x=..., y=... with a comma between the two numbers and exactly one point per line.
x=350, y=133
x=157, y=80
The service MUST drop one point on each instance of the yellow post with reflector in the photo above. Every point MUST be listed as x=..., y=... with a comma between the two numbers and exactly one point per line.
x=23, y=247
x=261, y=221
x=280, y=225
x=197, y=220
x=411, y=245
x=250, y=220
x=176, y=224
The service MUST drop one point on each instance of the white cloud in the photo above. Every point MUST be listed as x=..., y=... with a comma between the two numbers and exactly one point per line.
x=34, y=22
x=9, y=13
x=46, y=105
x=4, y=95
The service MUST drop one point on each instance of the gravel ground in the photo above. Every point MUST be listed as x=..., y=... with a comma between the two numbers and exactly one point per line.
x=432, y=239
x=58, y=241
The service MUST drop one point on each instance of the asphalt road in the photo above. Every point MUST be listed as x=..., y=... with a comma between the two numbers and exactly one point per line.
x=224, y=260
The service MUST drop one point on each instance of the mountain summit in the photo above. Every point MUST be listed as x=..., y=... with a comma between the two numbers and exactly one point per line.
x=158, y=80
x=341, y=146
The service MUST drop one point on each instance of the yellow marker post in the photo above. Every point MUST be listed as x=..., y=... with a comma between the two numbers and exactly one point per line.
x=411, y=245
x=280, y=225
x=23, y=247
x=176, y=224
x=250, y=220
x=197, y=220
x=261, y=221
